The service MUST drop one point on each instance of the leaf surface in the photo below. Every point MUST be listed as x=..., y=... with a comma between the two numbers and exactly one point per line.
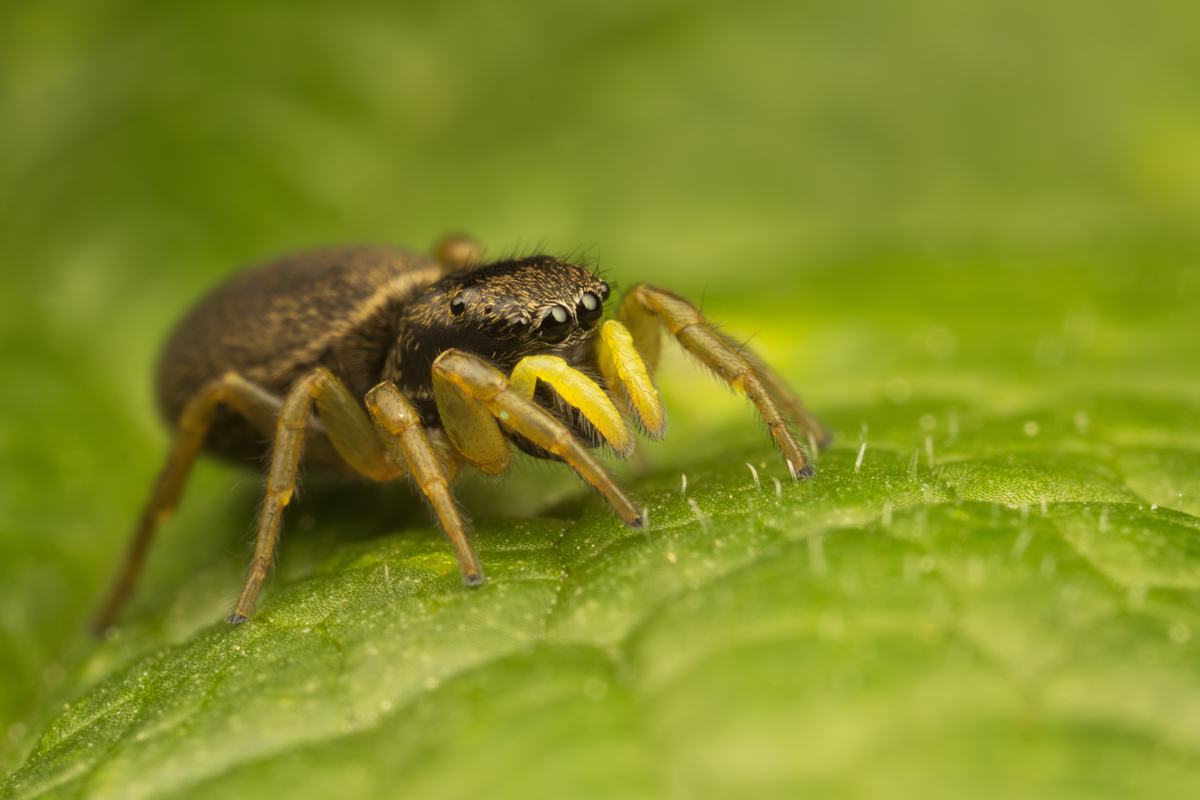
x=966, y=236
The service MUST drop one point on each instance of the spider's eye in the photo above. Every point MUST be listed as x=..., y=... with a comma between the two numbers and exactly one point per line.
x=590, y=309
x=556, y=324
x=458, y=306
x=604, y=291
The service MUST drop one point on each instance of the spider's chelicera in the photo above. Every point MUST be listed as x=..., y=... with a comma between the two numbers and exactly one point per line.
x=384, y=363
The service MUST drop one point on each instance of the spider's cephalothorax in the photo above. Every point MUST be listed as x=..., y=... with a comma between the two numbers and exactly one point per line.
x=502, y=311
x=505, y=312
x=384, y=363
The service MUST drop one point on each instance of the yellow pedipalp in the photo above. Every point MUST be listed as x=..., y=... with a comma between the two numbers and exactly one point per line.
x=579, y=391
x=623, y=368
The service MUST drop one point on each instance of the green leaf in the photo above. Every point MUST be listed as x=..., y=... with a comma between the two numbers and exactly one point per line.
x=967, y=236
x=839, y=630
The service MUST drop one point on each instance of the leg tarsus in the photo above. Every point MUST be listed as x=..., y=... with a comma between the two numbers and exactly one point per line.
x=351, y=433
x=783, y=394
x=399, y=423
x=644, y=306
x=253, y=403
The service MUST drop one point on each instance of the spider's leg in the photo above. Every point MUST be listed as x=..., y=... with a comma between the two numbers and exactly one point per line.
x=457, y=251
x=629, y=377
x=821, y=436
x=400, y=425
x=579, y=391
x=252, y=402
x=480, y=387
x=644, y=305
x=352, y=434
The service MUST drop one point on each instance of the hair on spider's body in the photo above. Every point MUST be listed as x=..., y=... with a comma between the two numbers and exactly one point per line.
x=385, y=363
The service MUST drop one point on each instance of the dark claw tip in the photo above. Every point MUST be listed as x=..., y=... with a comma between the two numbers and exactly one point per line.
x=806, y=471
x=637, y=523
x=473, y=579
x=236, y=618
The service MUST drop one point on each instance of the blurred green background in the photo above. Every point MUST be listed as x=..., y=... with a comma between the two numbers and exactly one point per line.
x=979, y=211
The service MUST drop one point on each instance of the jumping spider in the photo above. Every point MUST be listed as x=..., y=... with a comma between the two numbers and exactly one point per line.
x=417, y=366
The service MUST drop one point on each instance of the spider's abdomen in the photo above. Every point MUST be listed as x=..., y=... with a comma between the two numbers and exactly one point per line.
x=274, y=322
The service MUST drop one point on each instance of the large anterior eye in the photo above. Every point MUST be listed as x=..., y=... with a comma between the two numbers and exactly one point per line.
x=556, y=324
x=590, y=309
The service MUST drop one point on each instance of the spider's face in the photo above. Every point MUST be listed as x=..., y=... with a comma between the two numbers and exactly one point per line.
x=503, y=312
x=538, y=304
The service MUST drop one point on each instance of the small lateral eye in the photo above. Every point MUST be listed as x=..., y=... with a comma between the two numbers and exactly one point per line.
x=556, y=324
x=458, y=306
x=604, y=290
x=590, y=309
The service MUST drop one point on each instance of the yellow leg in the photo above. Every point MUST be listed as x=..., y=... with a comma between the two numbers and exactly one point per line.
x=645, y=305
x=578, y=390
x=476, y=381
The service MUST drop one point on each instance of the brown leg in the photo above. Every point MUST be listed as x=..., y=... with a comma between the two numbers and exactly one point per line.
x=350, y=431
x=457, y=251
x=790, y=402
x=400, y=424
x=450, y=459
x=643, y=304
x=252, y=402
x=478, y=382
